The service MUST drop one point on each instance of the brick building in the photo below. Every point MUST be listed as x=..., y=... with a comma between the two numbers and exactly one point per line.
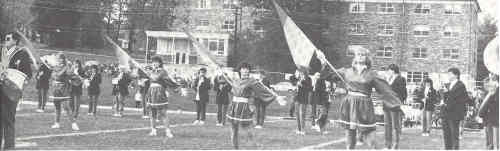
x=212, y=22
x=424, y=37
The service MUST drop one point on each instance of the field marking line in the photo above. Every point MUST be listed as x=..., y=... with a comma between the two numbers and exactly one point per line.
x=95, y=132
x=311, y=147
x=140, y=109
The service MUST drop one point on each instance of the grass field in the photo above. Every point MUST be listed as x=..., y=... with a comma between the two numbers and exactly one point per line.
x=131, y=132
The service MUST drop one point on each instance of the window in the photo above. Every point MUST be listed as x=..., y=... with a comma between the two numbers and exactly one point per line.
x=419, y=53
x=124, y=44
x=228, y=25
x=423, y=9
x=181, y=58
x=452, y=9
x=262, y=6
x=451, y=32
x=229, y=4
x=258, y=28
x=203, y=4
x=203, y=23
x=386, y=8
x=152, y=43
x=451, y=54
x=385, y=52
x=349, y=49
x=421, y=30
x=220, y=47
x=356, y=28
x=416, y=77
x=214, y=45
x=386, y=29
x=357, y=8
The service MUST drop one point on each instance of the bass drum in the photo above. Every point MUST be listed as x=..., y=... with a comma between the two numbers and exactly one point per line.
x=491, y=57
x=14, y=84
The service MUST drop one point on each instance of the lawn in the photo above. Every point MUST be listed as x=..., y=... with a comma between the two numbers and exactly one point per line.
x=176, y=102
x=130, y=132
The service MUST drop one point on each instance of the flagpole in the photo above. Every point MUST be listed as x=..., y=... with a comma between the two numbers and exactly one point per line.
x=307, y=43
x=132, y=60
x=30, y=48
x=323, y=59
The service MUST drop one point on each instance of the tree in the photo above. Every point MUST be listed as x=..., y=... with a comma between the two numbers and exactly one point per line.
x=271, y=51
x=487, y=31
x=15, y=14
x=148, y=15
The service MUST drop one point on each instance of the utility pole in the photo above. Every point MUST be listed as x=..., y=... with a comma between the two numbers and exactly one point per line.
x=110, y=10
x=119, y=20
x=237, y=12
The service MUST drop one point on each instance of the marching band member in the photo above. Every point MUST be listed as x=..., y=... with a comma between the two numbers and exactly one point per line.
x=319, y=97
x=76, y=88
x=143, y=89
x=393, y=119
x=201, y=87
x=325, y=106
x=157, y=95
x=61, y=75
x=489, y=113
x=260, y=105
x=304, y=87
x=223, y=89
x=120, y=89
x=356, y=109
x=429, y=97
x=15, y=57
x=94, y=89
x=454, y=109
x=239, y=113
x=43, y=77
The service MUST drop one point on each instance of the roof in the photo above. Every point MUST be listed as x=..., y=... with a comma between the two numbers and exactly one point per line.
x=176, y=34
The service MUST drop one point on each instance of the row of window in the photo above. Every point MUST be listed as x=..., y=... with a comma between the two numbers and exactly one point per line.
x=416, y=77
x=417, y=53
x=226, y=4
x=227, y=25
x=356, y=7
x=390, y=8
x=170, y=45
x=389, y=30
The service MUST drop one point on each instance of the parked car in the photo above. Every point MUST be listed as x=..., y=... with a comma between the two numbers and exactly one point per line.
x=283, y=86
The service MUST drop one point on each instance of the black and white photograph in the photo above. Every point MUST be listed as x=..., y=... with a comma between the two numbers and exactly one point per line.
x=249, y=75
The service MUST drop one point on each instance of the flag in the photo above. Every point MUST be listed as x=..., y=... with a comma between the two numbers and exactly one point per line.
x=301, y=48
x=28, y=47
x=210, y=61
x=125, y=60
x=204, y=54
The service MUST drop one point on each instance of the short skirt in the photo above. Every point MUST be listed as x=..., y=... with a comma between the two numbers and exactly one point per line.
x=61, y=91
x=156, y=97
x=240, y=112
x=357, y=112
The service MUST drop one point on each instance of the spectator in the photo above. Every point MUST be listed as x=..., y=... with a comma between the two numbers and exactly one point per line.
x=201, y=87
x=43, y=77
x=428, y=97
x=454, y=109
